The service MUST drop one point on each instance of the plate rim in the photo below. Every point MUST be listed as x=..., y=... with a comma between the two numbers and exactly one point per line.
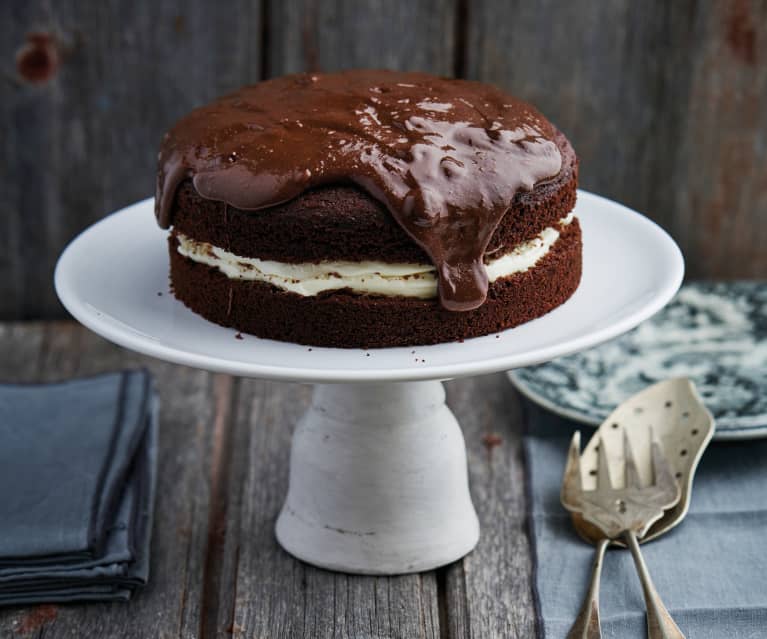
x=129, y=339
x=721, y=433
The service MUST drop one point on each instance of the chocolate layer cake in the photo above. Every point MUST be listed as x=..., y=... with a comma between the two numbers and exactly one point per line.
x=369, y=209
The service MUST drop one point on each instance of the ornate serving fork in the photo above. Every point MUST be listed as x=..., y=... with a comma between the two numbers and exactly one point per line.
x=625, y=513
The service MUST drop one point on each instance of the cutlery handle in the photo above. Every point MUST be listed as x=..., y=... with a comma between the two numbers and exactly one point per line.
x=586, y=624
x=660, y=625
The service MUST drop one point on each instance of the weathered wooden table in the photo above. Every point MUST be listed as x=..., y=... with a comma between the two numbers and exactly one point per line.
x=217, y=570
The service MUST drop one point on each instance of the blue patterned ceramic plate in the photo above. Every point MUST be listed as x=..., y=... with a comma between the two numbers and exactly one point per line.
x=713, y=332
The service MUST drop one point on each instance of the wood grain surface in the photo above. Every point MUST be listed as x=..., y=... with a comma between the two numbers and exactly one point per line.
x=216, y=568
x=314, y=35
x=84, y=141
x=665, y=102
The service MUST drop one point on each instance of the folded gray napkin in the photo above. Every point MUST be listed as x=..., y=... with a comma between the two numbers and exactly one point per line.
x=77, y=476
x=711, y=571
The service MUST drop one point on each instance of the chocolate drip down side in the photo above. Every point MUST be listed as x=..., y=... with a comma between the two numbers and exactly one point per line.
x=445, y=156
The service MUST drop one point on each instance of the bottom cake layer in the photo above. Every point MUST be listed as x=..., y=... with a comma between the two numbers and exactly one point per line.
x=348, y=320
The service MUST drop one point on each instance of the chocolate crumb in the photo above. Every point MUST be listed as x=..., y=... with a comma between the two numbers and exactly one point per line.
x=491, y=440
x=238, y=336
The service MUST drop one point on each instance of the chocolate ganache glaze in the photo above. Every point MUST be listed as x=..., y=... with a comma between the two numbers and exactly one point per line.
x=445, y=156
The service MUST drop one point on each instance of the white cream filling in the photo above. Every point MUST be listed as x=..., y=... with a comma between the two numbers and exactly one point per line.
x=376, y=278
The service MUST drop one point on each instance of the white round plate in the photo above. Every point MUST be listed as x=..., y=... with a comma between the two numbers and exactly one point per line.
x=715, y=333
x=114, y=279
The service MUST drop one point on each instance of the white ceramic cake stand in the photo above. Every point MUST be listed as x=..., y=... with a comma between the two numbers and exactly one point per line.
x=378, y=476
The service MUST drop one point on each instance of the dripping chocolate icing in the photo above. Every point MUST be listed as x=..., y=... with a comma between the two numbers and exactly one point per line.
x=445, y=156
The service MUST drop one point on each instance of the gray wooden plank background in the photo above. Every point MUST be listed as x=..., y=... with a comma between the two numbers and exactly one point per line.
x=665, y=102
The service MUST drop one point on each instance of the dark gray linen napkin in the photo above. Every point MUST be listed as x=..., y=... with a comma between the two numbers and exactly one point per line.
x=77, y=477
x=711, y=571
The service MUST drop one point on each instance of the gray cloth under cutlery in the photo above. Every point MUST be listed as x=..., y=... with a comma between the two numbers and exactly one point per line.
x=77, y=476
x=711, y=570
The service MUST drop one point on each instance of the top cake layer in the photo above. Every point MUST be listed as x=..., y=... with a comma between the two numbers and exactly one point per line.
x=344, y=223
x=446, y=157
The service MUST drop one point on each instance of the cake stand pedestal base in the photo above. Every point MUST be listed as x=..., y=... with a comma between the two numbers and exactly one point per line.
x=378, y=481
